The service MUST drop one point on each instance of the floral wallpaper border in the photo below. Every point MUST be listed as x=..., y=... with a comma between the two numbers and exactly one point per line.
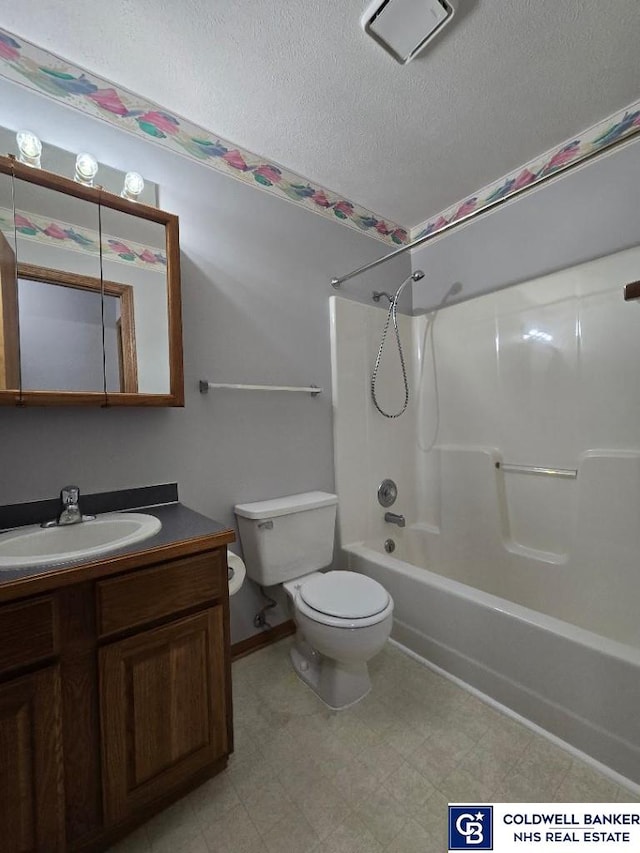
x=625, y=123
x=41, y=71
x=42, y=229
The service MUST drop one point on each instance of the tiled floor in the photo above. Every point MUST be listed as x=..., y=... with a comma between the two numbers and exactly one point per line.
x=374, y=778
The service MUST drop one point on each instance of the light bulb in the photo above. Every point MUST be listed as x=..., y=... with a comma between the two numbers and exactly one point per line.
x=133, y=186
x=86, y=169
x=29, y=148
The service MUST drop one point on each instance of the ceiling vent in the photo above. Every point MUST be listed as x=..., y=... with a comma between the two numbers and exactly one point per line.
x=405, y=27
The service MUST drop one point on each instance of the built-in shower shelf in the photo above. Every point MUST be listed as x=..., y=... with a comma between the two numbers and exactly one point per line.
x=550, y=557
x=536, y=470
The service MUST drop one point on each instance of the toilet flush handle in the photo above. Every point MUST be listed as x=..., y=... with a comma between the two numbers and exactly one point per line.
x=266, y=525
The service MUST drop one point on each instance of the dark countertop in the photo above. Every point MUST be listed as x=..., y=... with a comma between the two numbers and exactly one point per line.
x=183, y=532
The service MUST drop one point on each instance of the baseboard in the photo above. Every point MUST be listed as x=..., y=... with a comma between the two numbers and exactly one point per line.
x=264, y=638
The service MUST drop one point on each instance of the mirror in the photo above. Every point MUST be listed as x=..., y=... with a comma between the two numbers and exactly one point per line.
x=62, y=317
x=90, y=289
x=60, y=325
x=135, y=257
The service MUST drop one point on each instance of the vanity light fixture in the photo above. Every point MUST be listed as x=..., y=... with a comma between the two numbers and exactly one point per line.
x=133, y=186
x=29, y=148
x=86, y=169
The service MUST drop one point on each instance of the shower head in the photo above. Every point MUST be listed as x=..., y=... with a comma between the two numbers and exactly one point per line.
x=414, y=276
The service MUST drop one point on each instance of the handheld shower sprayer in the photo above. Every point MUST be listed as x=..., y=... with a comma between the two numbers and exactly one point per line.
x=392, y=315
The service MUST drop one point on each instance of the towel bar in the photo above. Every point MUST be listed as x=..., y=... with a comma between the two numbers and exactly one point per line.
x=310, y=389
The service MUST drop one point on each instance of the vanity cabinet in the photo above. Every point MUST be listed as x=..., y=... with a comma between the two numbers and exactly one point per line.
x=31, y=785
x=162, y=700
x=114, y=698
x=31, y=769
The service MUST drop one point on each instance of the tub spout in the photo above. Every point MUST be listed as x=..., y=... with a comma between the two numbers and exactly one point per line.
x=393, y=518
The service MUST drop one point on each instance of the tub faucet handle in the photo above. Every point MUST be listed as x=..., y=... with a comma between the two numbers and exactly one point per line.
x=393, y=518
x=387, y=493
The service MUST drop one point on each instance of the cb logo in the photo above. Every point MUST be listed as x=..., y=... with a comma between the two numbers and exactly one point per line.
x=470, y=828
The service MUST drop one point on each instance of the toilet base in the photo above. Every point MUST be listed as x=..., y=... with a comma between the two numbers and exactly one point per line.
x=339, y=685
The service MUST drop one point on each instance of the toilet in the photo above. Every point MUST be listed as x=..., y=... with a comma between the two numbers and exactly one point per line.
x=343, y=618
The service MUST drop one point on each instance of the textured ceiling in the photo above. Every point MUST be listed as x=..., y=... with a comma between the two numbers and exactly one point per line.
x=300, y=83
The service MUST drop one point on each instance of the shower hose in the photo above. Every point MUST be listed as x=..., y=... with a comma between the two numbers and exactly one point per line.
x=392, y=315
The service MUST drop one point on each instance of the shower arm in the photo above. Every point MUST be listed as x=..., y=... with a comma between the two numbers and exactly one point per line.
x=492, y=205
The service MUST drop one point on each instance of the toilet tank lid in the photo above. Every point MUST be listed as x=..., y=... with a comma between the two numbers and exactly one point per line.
x=286, y=505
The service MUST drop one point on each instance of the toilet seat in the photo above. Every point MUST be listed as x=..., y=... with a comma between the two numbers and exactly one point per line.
x=344, y=600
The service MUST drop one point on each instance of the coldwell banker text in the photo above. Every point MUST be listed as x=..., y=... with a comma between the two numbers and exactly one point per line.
x=545, y=827
x=575, y=827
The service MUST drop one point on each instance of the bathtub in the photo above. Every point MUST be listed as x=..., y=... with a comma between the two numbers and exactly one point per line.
x=579, y=686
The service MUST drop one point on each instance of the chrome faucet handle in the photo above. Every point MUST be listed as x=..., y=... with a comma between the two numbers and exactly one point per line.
x=70, y=511
x=69, y=495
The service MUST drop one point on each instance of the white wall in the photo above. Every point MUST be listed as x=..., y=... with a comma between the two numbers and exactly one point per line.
x=368, y=446
x=541, y=374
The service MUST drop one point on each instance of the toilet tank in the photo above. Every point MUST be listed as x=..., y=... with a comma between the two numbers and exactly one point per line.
x=288, y=537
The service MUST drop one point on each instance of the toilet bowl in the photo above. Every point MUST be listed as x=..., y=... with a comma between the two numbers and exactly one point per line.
x=343, y=618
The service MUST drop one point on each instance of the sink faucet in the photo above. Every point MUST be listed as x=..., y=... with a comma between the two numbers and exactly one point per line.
x=69, y=509
x=392, y=518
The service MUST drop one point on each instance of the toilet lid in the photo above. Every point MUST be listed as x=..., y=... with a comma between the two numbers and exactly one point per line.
x=346, y=595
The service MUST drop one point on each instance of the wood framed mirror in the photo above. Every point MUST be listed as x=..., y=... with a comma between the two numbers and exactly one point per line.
x=89, y=295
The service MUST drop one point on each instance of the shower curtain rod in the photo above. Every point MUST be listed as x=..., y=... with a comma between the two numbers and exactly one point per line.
x=492, y=205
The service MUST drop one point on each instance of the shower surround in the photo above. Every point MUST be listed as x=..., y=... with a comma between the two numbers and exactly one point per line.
x=525, y=586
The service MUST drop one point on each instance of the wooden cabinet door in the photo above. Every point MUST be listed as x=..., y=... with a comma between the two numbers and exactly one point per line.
x=31, y=781
x=162, y=703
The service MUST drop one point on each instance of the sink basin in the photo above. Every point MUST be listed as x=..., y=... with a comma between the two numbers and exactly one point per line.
x=37, y=546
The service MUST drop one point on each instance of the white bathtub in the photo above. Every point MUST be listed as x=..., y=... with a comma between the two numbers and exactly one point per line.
x=576, y=684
